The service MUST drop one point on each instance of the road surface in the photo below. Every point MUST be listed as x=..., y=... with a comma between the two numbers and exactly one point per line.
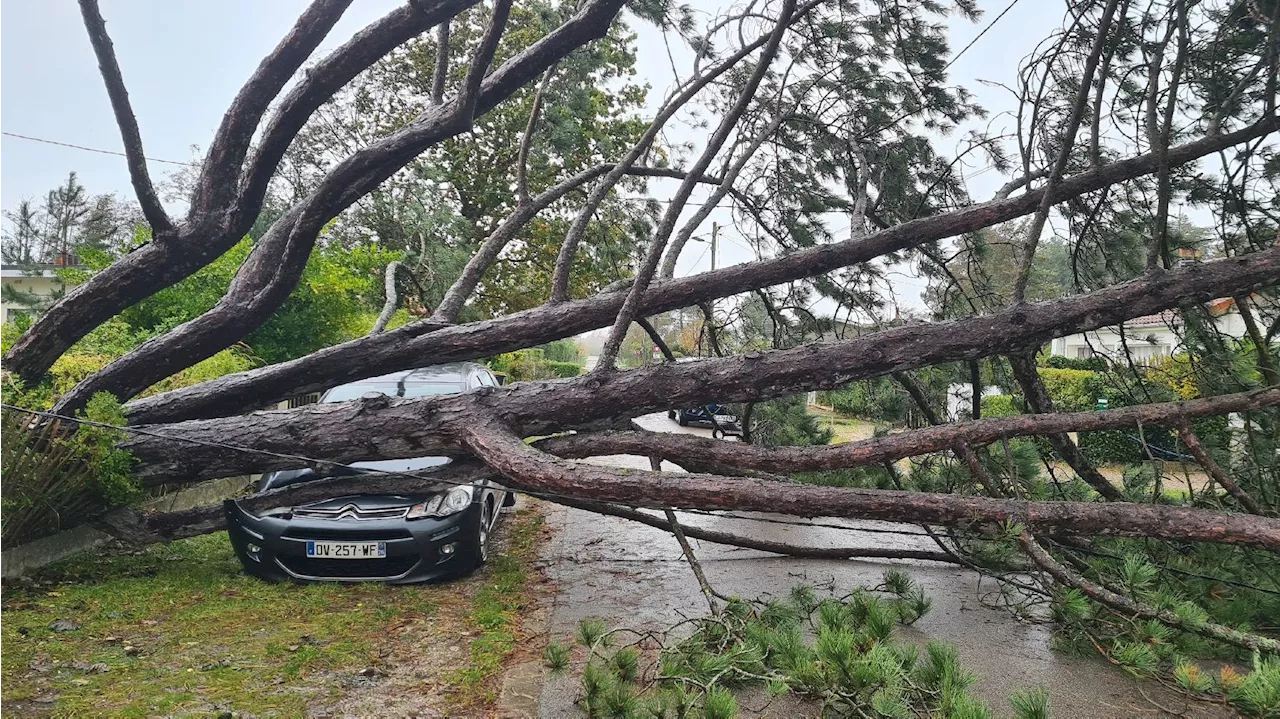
x=633, y=575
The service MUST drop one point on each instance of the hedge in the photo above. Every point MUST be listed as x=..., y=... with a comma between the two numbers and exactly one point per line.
x=564, y=369
x=1092, y=364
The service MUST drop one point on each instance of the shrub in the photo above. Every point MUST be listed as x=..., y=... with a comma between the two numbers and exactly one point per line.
x=878, y=399
x=564, y=369
x=999, y=405
x=1092, y=364
x=1072, y=390
x=52, y=473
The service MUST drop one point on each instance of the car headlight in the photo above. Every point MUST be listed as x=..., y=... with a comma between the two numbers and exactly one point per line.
x=276, y=512
x=442, y=505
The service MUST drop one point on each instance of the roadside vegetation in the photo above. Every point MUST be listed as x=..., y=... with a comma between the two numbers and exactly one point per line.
x=178, y=630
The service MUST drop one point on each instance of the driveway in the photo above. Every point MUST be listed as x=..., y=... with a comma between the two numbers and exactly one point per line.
x=635, y=576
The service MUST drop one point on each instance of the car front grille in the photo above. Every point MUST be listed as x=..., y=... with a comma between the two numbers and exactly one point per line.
x=349, y=511
x=388, y=568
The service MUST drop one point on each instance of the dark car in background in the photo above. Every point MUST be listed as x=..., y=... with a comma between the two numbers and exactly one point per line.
x=397, y=539
x=724, y=418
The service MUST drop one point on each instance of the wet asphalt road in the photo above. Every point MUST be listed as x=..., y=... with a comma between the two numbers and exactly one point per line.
x=635, y=576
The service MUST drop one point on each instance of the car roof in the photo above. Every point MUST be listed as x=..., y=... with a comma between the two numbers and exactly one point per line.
x=451, y=372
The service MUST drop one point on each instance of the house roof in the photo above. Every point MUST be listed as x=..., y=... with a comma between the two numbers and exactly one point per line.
x=1168, y=317
x=39, y=269
x=1217, y=308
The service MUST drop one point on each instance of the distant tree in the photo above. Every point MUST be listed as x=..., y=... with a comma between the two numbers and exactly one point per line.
x=22, y=244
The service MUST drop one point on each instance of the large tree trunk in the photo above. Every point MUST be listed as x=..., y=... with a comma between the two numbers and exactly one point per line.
x=417, y=345
x=383, y=428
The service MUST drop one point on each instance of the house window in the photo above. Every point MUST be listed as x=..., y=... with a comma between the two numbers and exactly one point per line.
x=1148, y=354
x=1084, y=352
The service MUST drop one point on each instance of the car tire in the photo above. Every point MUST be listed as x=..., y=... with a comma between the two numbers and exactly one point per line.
x=682, y=420
x=484, y=532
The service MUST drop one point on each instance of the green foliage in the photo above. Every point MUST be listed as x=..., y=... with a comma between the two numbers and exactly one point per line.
x=564, y=369
x=590, y=631
x=720, y=704
x=878, y=399
x=625, y=664
x=534, y=364
x=339, y=287
x=563, y=351
x=785, y=422
x=59, y=474
x=449, y=198
x=1030, y=703
x=1258, y=695
x=999, y=405
x=1091, y=364
x=839, y=651
x=1072, y=390
x=556, y=657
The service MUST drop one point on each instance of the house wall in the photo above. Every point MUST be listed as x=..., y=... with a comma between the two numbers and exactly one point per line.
x=40, y=285
x=1145, y=343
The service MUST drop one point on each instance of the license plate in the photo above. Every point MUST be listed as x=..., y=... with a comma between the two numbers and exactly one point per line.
x=347, y=550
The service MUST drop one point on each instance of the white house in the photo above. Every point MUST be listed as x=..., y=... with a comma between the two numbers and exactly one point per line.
x=41, y=282
x=1148, y=338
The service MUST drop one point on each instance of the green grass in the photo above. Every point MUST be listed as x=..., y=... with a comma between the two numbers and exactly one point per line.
x=212, y=639
x=494, y=614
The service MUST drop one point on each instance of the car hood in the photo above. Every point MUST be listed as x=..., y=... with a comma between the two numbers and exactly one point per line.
x=284, y=478
x=369, y=502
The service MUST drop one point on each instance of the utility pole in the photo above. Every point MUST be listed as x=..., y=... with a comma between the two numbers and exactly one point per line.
x=715, y=230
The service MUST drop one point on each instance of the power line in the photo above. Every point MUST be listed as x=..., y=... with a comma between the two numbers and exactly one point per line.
x=979, y=37
x=92, y=149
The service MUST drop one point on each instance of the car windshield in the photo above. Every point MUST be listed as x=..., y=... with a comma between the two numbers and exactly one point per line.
x=349, y=392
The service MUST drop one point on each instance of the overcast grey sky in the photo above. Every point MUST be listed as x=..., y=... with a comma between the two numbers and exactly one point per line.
x=183, y=61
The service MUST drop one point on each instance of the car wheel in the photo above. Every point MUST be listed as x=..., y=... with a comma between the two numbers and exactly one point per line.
x=681, y=419
x=484, y=532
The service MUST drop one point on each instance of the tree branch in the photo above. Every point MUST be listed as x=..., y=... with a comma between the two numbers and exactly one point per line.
x=411, y=346
x=635, y=296
x=1038, y=400
x=441, y=74
x=216, y=187
x=569, y=247
x=139, y=176
x=1121, y=603
x=731, y=176
x=323, y=80
x=526, y=140
x=679, y=448
x=393, y=298
x=763, y=545
x=527, y=469
x=674, y=525
x=456, y=296
x=1064, y=155
x=156, y=266
x=276, y=263
x=1215, y=470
